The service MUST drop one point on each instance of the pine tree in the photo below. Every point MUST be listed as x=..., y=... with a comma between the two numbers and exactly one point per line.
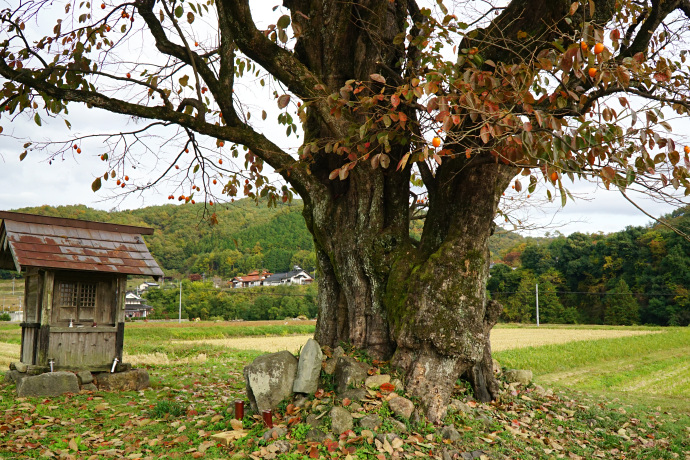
x=620, y=307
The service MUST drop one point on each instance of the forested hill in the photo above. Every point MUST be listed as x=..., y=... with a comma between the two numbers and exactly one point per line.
x=247, y=236
x=638, y=275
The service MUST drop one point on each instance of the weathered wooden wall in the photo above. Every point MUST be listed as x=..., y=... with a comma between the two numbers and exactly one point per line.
x=87, y=348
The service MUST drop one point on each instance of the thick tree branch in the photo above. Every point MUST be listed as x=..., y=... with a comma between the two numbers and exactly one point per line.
x=279, y=62
x=655, y=17
x=292, y=170
x=186, y=55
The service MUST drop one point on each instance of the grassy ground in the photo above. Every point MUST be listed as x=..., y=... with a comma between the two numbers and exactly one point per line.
x=654, y=367
x=599, y=408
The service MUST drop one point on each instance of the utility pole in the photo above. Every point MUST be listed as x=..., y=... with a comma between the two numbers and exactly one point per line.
x=537, y=294
x=180, y=313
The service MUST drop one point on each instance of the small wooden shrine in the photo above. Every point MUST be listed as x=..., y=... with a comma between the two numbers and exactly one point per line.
x=75, y=281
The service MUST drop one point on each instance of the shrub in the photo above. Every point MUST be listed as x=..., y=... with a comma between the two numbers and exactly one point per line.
x=5, y=317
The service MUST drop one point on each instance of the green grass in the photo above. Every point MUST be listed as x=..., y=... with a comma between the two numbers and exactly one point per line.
x=643, y=368
x=167, y=331
x=572, y=355
x=605, y=327
x=189, y=401
x=10, y=333
x=163, y=333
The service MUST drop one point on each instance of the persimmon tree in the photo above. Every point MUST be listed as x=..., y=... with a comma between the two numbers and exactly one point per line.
x=406, y=110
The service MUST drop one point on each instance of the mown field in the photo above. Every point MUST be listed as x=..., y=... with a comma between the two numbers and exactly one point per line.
x=617, y=393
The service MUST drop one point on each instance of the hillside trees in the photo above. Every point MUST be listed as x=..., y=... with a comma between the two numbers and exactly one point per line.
x=523, y=99
x=620, y=306
x=620, y=278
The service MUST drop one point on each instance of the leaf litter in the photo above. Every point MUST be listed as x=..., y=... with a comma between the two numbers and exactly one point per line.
x=527, y=423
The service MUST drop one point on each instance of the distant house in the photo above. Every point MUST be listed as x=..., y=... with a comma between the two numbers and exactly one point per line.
x=135, y=307
x=251, y=279
x=145, y=286
x=295, y=276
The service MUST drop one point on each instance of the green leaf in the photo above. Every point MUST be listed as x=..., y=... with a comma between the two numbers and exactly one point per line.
x=184, y=80
x=179, y=11
x=37, y=119
x=96, y=185
x=284, y=21
x=196, y=168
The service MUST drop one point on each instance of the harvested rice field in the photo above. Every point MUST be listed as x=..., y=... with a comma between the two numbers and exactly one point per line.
x=501, y=339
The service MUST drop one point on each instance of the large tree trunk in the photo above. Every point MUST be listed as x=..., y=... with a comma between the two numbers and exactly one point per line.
x=425, y=306
x=422, y=305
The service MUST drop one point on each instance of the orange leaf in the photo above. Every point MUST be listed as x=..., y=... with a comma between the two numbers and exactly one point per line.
x=387, y=387
x=377, y=77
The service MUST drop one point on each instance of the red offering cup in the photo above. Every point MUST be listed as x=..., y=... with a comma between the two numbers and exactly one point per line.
x=239, y=409
x=268, y=418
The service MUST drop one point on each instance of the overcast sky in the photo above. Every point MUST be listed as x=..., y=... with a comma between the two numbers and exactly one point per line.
x=34, y=182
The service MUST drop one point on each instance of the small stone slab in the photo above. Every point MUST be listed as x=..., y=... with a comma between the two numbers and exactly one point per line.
x=375, y=381
x=521, y=376
x=450, y=433
x=353, y=394
x=48, y=384
x=308, y=368
x=402, y=407
x=349, y=372
x=341, y=420
x=14, y=376
x=315, y=435
x=89, y=387
x=19, y=366
x=274, y=433
x=226, y=438
x=85, y=377
x=459, y=406
x=136, y=379
x=269, y=379
x=329, y=366
x=370, y=422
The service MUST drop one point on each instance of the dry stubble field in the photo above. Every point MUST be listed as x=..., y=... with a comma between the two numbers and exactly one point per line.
x=501, y=339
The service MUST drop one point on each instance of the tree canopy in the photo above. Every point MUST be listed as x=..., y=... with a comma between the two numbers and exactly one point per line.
x=407, y=110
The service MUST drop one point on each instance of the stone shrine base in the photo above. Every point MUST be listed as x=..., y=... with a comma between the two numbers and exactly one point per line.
x=35, y=381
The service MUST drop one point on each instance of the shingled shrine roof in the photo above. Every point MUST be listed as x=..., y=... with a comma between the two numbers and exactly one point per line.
x=28, y=240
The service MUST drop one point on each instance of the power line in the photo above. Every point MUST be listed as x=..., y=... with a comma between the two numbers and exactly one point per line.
x=244, y=291
x=652, y=294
